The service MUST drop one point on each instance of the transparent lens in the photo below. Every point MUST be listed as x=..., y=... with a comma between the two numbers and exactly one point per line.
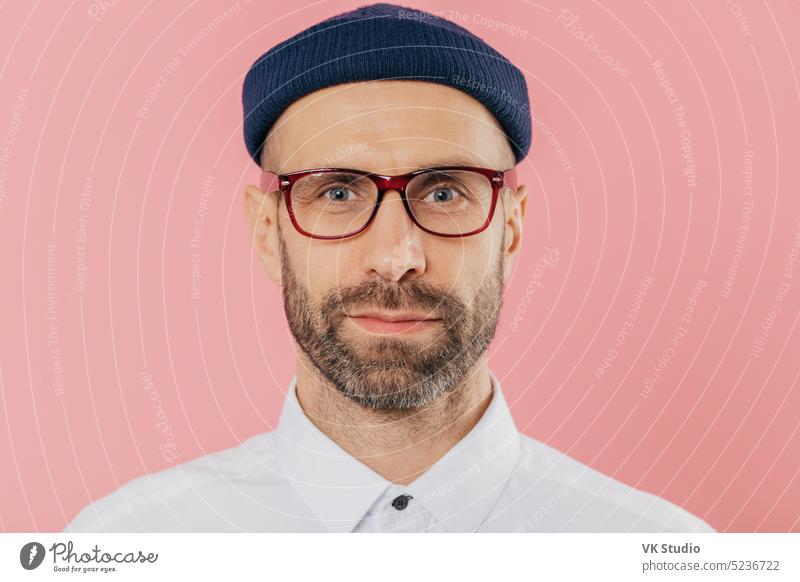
x=450, y=202
x=341, y=203
x=333, y=204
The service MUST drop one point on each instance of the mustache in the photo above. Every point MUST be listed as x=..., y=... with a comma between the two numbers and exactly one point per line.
x=413, y=295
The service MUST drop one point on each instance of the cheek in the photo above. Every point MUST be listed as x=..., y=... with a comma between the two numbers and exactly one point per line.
x=322, y=267
x=481, y=257
x=462, y=266
x=483, y=250
x=480, y=266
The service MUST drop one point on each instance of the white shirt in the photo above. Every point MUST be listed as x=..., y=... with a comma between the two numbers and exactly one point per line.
x=296, y=479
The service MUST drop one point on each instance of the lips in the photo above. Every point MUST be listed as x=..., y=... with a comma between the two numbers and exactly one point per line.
x=393, y=321
x=395, y=316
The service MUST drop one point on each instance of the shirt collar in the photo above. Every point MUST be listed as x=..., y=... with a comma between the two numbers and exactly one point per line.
x=460, y=489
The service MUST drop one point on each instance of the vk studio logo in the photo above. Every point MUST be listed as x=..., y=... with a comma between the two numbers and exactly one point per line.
x=31, y=555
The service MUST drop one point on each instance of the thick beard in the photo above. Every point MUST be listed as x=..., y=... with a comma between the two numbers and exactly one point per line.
x=390, y=373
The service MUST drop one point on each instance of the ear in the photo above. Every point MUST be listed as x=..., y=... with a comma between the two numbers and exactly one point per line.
x=514, y=217
x=261, y=209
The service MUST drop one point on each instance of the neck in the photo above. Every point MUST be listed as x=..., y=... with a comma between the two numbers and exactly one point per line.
x=399, y=445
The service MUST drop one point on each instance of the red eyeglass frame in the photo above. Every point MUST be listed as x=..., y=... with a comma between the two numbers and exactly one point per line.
x=497, y=179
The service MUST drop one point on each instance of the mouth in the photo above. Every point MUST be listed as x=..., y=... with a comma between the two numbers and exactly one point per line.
x=393, y=322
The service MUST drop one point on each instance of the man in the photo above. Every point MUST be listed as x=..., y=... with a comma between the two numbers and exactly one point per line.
x=389, y=214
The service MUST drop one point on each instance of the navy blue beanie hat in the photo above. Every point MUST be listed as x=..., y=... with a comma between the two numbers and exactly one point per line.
x=384, y=41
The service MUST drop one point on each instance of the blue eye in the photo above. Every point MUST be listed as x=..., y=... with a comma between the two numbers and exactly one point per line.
x=442, y=195
x=338, y=194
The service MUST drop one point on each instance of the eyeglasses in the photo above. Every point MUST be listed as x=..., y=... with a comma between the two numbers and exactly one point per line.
x=448, y=201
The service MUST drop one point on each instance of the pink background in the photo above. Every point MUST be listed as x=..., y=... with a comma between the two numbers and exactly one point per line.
x=114, y=115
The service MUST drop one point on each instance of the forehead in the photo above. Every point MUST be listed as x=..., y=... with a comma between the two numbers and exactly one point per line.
x=386, y=126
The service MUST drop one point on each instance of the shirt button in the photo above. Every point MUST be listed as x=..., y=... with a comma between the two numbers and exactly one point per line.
x=401, y=502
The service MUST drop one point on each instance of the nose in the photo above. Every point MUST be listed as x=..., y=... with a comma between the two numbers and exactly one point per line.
x=393, y=242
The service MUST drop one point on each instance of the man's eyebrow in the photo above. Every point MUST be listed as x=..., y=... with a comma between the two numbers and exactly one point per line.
x=457, y=161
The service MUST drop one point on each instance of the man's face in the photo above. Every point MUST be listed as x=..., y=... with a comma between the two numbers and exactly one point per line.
x=393, y=269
